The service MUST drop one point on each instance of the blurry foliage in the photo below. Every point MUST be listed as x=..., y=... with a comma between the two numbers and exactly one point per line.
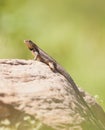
x=71, y=31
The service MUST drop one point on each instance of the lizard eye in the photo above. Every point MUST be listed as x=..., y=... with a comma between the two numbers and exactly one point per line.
x=31, y=49
x=29, y=40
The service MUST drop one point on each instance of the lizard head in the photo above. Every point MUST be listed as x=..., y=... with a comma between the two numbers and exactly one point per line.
x=31, y=45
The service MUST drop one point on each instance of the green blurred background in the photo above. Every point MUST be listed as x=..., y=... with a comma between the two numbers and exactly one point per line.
x=71, y=31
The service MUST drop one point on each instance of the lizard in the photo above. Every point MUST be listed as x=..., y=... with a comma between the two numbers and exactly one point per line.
x=42, y=56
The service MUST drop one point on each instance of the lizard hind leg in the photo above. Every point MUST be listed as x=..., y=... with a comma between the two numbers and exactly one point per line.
x=52, y=66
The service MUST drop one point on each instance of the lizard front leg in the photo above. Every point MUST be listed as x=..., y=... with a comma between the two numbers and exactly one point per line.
x=36, y=54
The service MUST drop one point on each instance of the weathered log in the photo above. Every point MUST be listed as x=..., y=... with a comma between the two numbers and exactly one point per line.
x=32, y=96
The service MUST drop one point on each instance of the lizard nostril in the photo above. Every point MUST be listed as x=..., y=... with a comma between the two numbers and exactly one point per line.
x=25, y=41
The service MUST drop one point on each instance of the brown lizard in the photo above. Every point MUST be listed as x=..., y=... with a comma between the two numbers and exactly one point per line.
x=42, y=56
